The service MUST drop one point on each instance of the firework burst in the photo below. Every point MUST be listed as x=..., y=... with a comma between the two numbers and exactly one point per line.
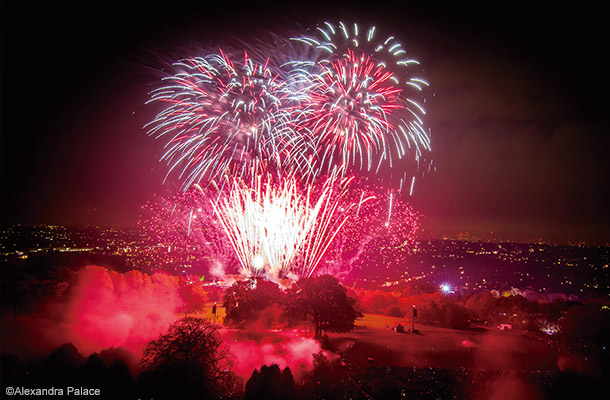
x=266, y=142
x=222, y=116
x=364, y=105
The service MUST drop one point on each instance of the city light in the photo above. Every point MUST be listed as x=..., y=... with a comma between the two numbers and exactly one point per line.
x=446, y=288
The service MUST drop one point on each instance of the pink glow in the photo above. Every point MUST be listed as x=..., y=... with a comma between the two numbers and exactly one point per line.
x=287, y=349
x=110, y=309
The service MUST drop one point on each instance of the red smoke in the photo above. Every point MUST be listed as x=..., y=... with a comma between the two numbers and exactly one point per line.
x=287, y=349
x=110, y=309
x=104, y=309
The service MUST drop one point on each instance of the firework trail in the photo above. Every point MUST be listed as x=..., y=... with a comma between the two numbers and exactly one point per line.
x=277, y=230
x=223, y=115
x=382, y=231
x=364, y=104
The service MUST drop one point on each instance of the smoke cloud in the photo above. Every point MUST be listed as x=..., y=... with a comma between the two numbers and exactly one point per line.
x=104, y=309
x=287, y=349
x=110, y=309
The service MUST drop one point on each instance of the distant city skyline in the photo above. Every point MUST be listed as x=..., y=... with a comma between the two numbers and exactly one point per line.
x=538, y=269
x=517, y=118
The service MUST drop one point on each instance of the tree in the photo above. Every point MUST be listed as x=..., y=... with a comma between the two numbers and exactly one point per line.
x=114, y=380
x=189, y=360
x=377, y=301
x=322, y=301
x=270, y=383
x=326, y=380
x=65, y=357
x=511, y=309
x=193, y=296
x=455, y=315
x=480, y=304
x=393, y=311
x=245, y=301
x=62, y=365
x=430, y=312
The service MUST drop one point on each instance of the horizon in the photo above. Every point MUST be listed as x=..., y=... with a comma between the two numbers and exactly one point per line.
x=458, y=237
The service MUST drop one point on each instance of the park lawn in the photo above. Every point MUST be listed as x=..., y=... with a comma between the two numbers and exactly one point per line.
x=382, y=321
x=206, y=313
x=374, y=342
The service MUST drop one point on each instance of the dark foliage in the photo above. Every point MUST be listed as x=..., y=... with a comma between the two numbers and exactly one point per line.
x=189, y=360
x=322, y=301
x=270, y=383
x=246, y=301
x=588, y=322
x=455, y=316
x=480, y=305
x=446, y=313
x=393, y=311
x=65, y=367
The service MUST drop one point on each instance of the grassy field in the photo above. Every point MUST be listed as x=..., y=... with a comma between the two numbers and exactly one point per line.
x=206, y=313
x=374, y=342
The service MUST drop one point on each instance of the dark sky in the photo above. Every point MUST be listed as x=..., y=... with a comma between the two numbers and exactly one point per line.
x=519, y=116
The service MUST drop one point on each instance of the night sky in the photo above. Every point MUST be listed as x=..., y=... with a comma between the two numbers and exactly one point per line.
x=519, y=116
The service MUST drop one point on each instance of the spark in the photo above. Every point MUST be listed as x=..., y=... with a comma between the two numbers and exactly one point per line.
x=363, y=103
x=412, y=185
x=222, y=115
x=277, y=230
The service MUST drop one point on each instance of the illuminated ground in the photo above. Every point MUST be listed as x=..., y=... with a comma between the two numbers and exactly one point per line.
x=206, y=313
x=373, y=342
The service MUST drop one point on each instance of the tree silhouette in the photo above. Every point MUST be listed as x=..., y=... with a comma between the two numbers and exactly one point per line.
x=193, y=296
x=322, y=301
x=326, y=379
x=270, y=383
x=455, y=315
x=480, y=304
x=246, y=300
x=189, y=360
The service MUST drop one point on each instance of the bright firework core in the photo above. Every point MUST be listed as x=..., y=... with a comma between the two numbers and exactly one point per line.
x=258, y=261
x=277, y=231
x=354, y=98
